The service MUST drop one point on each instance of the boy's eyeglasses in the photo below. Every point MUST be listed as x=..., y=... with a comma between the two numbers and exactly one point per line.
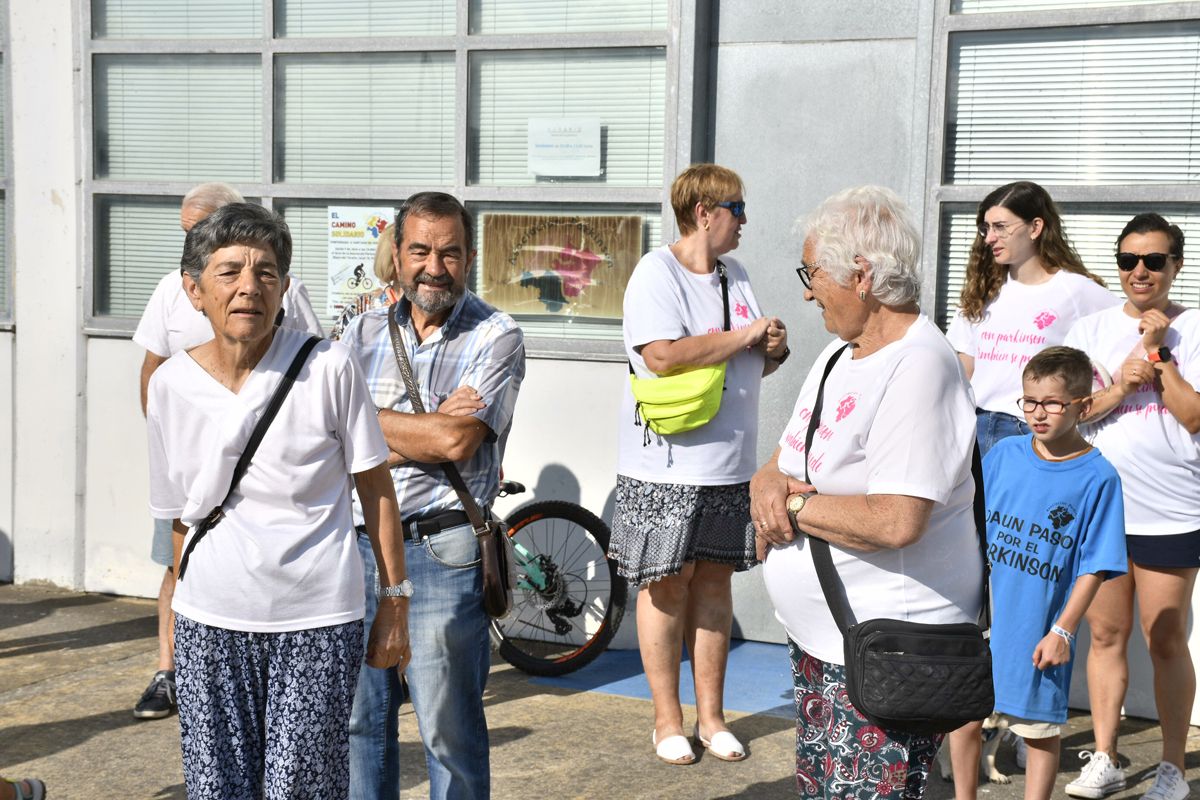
x=1055, y=407
x=736, y=207
x=1155, y=262
x=1003, y=230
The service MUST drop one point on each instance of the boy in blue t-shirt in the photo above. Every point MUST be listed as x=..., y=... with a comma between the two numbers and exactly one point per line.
x=1056, y=531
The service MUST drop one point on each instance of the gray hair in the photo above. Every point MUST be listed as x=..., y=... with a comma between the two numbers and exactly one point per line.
x=436, y=205
x=874, y=224
x=236, y=223
x=211, y=196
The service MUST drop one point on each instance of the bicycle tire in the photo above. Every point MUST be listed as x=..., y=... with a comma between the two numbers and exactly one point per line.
x=557, y=631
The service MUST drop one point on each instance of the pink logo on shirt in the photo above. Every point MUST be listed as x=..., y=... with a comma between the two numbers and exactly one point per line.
x=1044, y=320
x=845, y=407
x=741, y=309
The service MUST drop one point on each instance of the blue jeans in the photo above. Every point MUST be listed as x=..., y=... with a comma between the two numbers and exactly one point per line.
x=451, y=653
x=992, y=426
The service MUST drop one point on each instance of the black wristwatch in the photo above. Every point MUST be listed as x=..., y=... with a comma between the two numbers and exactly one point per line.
x=1160, y=356
x=787, y=351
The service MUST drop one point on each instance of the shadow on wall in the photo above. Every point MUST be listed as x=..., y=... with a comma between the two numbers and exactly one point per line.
x=6, y=556
x=557, y=482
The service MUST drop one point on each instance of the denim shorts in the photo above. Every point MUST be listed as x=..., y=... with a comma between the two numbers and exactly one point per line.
x=1172, y=551
x=992, y=426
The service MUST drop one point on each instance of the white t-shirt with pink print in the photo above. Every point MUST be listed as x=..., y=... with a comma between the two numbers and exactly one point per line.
x=899, y=421
x=1023, y=320
x=1157, y=459
x=663, y=300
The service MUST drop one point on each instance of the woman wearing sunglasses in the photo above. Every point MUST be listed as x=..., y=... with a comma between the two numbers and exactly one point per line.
x=1148, y=426
x=682, y=521
x=1025, y=287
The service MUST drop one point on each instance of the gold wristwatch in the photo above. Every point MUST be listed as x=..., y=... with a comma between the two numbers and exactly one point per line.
x=795, y=503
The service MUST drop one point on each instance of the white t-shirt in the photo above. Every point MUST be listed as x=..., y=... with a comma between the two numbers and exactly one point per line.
x=284, y=557
x=1157, y=459
x=899, y=421
x=170, y=323
x=663, y=300
x=1019, y=323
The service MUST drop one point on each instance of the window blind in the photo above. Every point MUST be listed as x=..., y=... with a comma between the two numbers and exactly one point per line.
x=626, y=89
x=179, y=117
x=991, y=6
x=567, y=16
x=191, y=19
x=3, y=118
x=299, y=18
x=138, y=240
x=365, y=118
x=1092, y=229
x=1094, y=105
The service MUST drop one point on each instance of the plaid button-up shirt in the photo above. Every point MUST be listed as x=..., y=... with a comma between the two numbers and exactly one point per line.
x=478, y=346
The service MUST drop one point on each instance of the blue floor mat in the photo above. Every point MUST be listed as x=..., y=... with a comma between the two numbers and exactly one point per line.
x=759, y=679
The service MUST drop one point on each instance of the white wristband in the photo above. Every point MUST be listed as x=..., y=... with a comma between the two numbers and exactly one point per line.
x=1063, y=632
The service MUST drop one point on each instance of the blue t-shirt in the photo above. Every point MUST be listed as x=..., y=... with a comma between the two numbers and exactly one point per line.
x=1048, y=522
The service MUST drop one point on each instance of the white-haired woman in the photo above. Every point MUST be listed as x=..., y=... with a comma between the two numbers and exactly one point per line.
x=888, y=486
x=268, y=631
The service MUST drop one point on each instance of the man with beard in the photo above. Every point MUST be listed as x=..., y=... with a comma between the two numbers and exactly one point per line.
x=468, y=360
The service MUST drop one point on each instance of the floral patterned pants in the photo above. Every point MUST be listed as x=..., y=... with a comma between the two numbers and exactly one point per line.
x=839, y=754
x=266, y=715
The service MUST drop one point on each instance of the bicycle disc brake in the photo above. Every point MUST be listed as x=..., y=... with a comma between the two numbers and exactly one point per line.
x=554, y=601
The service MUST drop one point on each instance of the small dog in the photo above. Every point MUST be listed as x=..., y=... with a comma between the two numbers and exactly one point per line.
x=994, y=728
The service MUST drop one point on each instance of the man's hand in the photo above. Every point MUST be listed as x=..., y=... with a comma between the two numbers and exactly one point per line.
x=387, y=644
x=462, y=402
x=1051, y=651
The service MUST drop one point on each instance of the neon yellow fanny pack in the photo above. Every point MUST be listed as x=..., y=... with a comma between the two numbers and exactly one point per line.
x=678, y=403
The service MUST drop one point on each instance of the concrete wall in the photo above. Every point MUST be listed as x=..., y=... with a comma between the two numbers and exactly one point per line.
x=6, y=455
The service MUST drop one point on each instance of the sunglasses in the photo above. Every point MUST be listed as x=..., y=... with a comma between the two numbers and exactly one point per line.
x=1155, y=262
x=736, y=207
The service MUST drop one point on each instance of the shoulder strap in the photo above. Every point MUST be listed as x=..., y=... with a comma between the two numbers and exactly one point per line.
x=474, y=513
x=721, y=273
x=831, y=586
x=256, y=437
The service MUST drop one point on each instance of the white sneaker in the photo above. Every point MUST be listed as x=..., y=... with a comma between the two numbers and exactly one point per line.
x=1169, y=784
x=1100, y=777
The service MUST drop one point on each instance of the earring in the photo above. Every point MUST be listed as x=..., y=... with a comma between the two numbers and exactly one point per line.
x=862, y=295
x=706, y=225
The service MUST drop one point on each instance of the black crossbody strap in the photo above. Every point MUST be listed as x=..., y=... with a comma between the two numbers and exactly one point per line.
x=474, y=513
x=256, y=437
x=831, y=586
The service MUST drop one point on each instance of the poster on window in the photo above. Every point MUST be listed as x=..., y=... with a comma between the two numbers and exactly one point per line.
x=568, y=266
x=353, y=235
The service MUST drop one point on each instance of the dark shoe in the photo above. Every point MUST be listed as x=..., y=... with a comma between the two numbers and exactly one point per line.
x=158, y=700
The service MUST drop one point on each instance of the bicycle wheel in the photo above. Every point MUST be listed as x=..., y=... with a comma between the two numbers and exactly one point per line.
x=569, y=599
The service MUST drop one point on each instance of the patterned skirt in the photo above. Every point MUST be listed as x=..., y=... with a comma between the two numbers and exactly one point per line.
x=839, y=754
x=658, y=527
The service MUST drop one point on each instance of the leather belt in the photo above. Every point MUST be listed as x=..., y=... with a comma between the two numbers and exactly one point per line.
x=422, y=527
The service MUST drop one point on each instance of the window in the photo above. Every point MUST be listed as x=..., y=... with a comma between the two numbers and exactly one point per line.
x=1102, y=112
x=5, y=179
x=362, y=103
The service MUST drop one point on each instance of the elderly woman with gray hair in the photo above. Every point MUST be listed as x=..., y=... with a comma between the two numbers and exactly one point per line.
x=268, y=632
x=886, y=482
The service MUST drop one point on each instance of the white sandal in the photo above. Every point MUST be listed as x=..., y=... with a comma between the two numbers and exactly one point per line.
x=724, y=745
x=37, y=789
x=673, y=749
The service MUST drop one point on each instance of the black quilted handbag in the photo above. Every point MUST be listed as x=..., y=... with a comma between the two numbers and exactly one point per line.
x=906, y=676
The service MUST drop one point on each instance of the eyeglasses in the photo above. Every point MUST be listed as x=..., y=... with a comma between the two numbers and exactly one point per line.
x=1055, y=407
x=736, y=207
x=806, y=272
x=1155, y=262
x=1003, y=230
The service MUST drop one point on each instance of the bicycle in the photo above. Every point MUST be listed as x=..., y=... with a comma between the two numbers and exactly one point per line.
x=568, y=600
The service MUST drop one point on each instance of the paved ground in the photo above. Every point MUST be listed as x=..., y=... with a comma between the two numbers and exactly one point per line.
x=72, y=665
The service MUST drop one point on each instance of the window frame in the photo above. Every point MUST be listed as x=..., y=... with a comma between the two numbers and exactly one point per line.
x=7, y=319
x=684, y=41
x=942, y=194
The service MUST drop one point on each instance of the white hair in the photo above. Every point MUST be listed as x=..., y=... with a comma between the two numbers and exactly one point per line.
x=211, y=196
x=871, y=223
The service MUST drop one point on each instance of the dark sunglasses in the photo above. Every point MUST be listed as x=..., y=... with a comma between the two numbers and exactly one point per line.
x=1155, y=262
x=736, y=207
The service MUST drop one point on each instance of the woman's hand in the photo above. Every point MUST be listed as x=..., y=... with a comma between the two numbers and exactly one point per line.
x=775, y=341
x=1153, y=328
x=1135, y=372
x=769, y=490
x=1052, y=651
